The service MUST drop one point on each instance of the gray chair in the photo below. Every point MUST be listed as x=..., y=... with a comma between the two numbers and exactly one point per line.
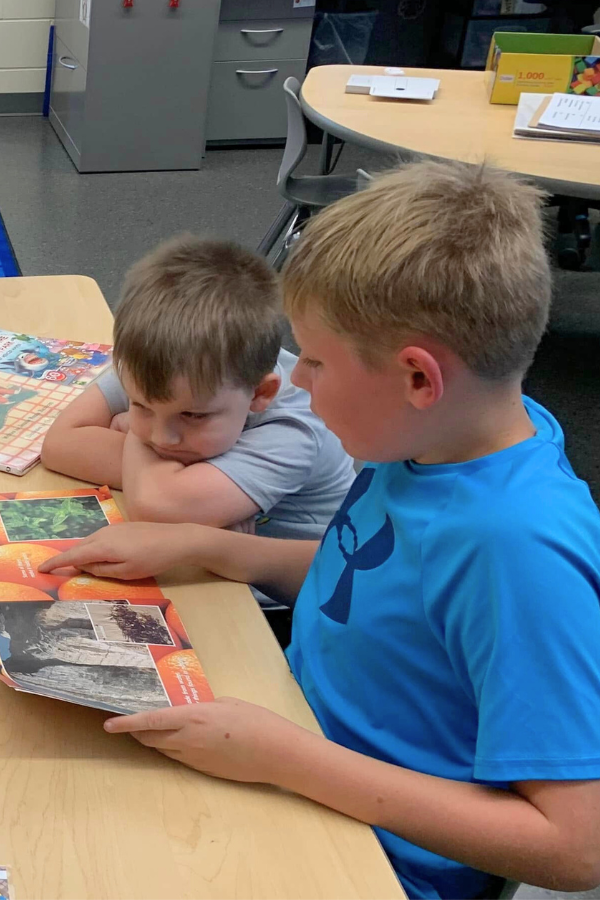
x=309, y=191
x=305, y=194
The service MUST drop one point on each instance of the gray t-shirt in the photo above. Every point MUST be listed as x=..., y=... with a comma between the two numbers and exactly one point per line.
x=286, y=460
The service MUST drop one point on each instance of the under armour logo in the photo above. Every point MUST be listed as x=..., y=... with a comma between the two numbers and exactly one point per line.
x=372, y=554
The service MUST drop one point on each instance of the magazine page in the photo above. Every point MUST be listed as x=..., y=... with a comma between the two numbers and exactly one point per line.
x=127, y=653
x=35, y=526
x=110, y=655
x=39, y=377
x=50, y=359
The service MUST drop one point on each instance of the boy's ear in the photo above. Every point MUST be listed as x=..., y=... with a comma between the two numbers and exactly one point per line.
x=423, y=377
x=265, y=393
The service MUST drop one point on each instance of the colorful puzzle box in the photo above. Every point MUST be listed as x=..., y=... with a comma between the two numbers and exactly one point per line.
x=542, y=64
x=38, y=378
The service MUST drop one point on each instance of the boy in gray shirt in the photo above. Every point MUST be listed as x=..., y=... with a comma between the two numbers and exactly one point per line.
x=200, y=421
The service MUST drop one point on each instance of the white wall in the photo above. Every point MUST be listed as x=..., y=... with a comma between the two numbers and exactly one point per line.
x=24, y=26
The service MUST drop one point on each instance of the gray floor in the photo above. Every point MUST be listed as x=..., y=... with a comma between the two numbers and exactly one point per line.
x=62, y=222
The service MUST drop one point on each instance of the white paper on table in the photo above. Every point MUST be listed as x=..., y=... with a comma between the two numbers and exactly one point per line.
x=572, y=112
x=404, y=88
x=529, y=105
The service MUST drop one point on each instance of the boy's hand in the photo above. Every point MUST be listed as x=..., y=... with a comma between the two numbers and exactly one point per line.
x=130, y=550
x=226, y=738
x=120, y=423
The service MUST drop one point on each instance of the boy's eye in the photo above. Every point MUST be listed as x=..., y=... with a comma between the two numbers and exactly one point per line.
x=193, y=415
x=310, y=363
x=139, y=406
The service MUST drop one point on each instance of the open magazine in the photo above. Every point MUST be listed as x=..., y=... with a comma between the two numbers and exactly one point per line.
x=39, y=377
x=118, y=646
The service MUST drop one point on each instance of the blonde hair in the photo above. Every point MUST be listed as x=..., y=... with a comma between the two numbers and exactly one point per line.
x=206, y=310
x=449, y=250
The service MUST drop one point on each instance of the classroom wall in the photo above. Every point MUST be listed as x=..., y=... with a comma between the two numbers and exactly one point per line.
x=24, y=26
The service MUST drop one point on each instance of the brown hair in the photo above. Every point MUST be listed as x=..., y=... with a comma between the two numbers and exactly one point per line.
x=450, y=250
x=207, y=310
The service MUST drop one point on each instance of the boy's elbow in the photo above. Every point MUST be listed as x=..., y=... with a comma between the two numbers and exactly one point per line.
x=148, y=506
x=585, y=874
x=575, y=869
x=139, y=510
x=51, y=451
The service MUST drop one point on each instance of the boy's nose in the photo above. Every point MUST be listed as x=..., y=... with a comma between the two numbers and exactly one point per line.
x=296, y=376
x=163, y=436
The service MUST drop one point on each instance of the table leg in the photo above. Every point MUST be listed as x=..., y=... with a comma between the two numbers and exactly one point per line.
x=326, y=153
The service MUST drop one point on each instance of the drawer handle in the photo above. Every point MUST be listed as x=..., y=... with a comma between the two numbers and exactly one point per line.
x=261, y=30
x=256, y=71
x=65, y=65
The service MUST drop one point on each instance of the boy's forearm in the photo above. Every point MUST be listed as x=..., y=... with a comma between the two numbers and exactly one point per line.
x=90, y=453
x=165, y=490
x=143, y=476
x=489, y=829
x=277, y=565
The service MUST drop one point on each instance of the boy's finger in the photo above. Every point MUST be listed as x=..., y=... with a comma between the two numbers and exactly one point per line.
x=168, y=719
x=160, y=740
x=69, y=572
x=108, y=570
x=77, y=556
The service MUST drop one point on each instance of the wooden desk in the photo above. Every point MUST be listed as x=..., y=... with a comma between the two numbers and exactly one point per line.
x=87, y=815
x=459, y=124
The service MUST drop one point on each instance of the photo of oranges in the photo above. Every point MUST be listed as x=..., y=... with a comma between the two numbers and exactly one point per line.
x=34, y=527
x=88, y=587
x=19, y=564
x=183, y=677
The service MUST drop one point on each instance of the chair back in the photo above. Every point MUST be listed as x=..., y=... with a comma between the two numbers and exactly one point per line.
x=295, y=145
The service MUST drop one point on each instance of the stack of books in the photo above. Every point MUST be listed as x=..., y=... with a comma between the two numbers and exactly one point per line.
x=558, y=117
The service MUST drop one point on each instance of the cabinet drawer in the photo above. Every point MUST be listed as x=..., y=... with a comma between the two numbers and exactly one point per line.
x=68, y=92
x=246, y=99
x=263, y=39
x=263, y=9
x=73, y=33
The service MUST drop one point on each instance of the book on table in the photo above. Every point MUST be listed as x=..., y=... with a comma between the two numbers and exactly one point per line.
x=569, y=112
x=39, y=377
x=548, y=117
x=117, y=646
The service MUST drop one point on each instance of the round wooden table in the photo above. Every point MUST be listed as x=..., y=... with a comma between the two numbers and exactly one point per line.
x=459, y=124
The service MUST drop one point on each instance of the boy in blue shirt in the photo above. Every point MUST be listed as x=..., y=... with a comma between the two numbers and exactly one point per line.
x=447, y=629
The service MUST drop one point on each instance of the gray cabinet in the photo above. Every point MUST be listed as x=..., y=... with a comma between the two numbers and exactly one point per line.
x=129, y=93
x=258, y=45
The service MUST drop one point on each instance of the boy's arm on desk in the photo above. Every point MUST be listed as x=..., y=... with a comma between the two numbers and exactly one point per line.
x=165, y=490
x=139, y=549
x=81, y=443
x=540, y=832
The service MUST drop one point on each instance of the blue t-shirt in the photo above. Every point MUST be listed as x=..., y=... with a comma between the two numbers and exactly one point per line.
x=450, y=624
